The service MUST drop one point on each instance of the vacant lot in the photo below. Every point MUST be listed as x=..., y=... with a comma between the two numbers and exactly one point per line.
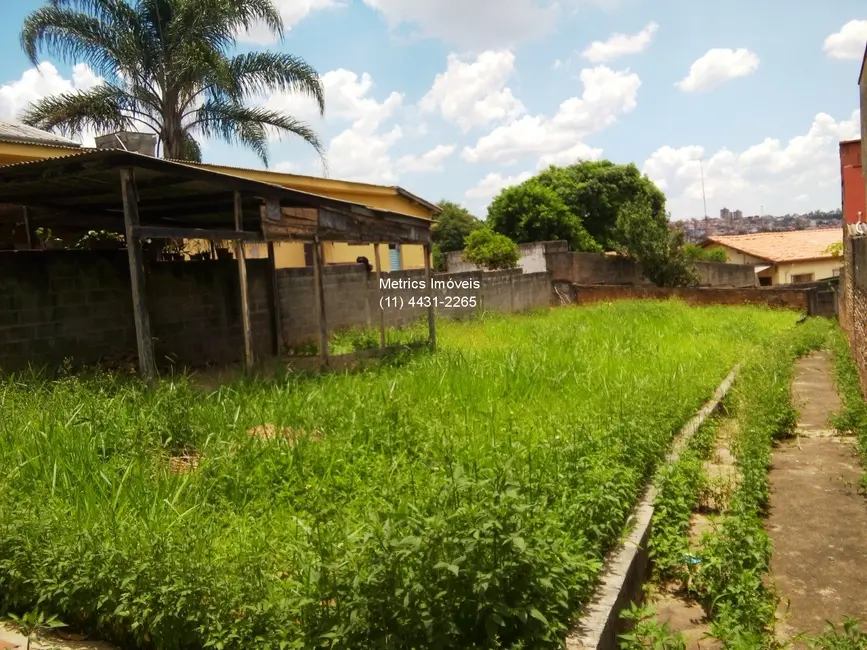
x=457, y=499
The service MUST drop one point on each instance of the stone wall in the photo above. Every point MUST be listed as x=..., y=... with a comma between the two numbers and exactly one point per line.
x=853, y=301
x=595, y=268
x=533, y=257
x=77, y=304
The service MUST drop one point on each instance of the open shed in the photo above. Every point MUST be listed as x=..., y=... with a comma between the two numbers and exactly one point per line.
x=145, y=197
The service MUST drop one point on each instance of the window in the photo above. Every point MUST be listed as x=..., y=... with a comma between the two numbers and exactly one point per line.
x=764, y=282
x=308, y=254
x=802, y=278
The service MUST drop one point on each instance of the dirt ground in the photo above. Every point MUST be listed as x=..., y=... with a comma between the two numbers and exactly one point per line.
x=818, y=519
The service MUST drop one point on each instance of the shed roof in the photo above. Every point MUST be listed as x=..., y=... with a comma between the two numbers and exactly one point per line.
x=84, y=189
x=15, y=132
x=789, y=246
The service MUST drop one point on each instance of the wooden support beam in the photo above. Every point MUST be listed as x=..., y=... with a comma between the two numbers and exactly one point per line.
x=431, y=319
x=277, y=321
x=146, y=363
x=170, y=232
x=320, y=301
x=26, y=212
x=242, y=278
x=379, y=297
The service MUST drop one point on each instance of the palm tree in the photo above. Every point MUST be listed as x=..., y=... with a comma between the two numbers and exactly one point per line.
x=167, y=66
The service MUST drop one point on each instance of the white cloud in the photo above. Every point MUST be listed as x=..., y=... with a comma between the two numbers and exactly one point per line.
x=718, y=66
x=607, y=95
x=494, y=183
x=292, y=12
x=473, y=26
x=766, y=174
x=619, y=45
x=474, y=93
x=431, y=161
x=557, y=64
x=361, y=152
x=40, y=82
x=849, y=42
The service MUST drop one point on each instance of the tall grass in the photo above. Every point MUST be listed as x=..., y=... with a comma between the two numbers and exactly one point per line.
x=458, y=499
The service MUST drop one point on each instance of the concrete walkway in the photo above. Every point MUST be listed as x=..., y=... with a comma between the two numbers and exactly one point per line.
x=818, y=519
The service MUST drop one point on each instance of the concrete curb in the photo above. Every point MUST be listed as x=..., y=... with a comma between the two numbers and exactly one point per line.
x=627, y=566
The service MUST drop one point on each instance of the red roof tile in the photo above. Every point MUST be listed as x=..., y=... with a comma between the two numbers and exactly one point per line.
x=788, y=246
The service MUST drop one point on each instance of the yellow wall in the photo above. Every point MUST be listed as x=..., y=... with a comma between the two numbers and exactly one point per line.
x=291, y=254
x=821, y=269
x=16, y=152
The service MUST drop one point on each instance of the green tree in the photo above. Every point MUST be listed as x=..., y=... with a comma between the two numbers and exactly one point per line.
x=696, y=253
x=532, y=212
x=452, y=227
x=490, y=250
x=167, y=65
x=659, y=250
x=595, y=191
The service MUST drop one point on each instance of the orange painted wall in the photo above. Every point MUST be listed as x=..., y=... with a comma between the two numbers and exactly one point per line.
x=853, y=182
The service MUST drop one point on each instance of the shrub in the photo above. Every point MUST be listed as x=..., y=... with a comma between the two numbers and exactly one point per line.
x=491, y=250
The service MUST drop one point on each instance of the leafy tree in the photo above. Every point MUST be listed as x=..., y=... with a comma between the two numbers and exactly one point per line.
x=438, y=258
x=167, y=65
x=595, y=191
x=696, y=253
x=452, y=227
x=659, y=250
x=534, y=212
x=491, y=250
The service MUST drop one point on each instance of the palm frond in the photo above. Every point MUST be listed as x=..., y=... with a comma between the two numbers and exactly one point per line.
x=248, y=126
x=102, y=109
x=262, y=72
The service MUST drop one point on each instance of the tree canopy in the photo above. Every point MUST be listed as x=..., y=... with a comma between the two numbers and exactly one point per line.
x=534, y=212
x=168, y=67
x=452, y=227
x=595, y=206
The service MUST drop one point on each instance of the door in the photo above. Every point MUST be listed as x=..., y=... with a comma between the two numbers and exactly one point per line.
x=394, y=257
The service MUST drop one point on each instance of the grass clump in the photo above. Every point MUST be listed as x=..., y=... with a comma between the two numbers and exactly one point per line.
x=459, y=499
x=853, y=418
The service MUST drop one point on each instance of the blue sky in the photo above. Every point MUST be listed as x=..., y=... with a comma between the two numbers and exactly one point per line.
x=456, y=99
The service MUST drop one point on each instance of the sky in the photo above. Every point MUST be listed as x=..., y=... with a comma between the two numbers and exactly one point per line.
x=457, y=99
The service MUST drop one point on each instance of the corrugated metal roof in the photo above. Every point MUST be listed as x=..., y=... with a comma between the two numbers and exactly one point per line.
x=14, y=132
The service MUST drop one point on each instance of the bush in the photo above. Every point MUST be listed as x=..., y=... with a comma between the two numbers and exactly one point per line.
x=490, y=250
x=695, y=253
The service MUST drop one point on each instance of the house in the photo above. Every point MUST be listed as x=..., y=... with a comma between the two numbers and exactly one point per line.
x=793, y=257
x=20, y=143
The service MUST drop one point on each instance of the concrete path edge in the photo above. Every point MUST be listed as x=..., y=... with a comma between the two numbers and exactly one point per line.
x=627, y=566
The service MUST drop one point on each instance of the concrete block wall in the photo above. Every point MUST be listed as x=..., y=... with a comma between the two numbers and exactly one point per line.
x=596, y=268
x=352, y=298
x=788, y=298
x=853, y=301
x=533, y=257
x=77, y=304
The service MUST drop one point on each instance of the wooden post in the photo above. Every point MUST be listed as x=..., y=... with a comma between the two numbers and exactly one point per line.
x=379, y=297
x=242, y=277
x=276, y=319
x=320, y=301
x=26, y=211
x=146, y=363
x=431, y=321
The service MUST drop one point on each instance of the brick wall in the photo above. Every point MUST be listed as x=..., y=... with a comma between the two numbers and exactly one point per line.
x=77, y=304
x=788, y=298
x=352, y=298
x=595, y=268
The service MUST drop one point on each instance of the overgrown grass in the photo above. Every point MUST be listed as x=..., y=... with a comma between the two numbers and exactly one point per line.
x=736, y=557
x=460, y=499
x=853, y=418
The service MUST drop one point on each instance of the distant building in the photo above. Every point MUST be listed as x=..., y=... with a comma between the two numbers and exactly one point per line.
x=795, y=257
x=738, y=214
x=725, y=213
